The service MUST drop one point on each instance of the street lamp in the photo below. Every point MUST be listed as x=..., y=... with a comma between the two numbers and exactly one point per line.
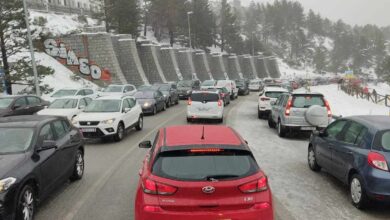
x=33, y=63
x=189, y=27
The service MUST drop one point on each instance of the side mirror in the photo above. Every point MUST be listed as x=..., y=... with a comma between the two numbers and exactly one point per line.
x=127, y=110
x=47, y=145
x=145, y=144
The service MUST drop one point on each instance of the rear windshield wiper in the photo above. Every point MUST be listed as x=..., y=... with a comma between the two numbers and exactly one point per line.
x=220, y=177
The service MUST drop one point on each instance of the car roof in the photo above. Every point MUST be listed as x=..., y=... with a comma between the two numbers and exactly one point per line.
x=72, y=97
x=190, y=135
x=114, y=97
x=275, y=89
x=28, y=121
x=213, y=90
x=376, y=122
x=307, y=93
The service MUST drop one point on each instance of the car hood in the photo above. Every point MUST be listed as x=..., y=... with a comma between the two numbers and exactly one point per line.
x=97, y=116
x=142, y=101
x=69, y=113
x=9, y=162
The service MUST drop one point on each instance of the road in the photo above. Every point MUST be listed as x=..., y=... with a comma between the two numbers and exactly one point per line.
x=108, y=188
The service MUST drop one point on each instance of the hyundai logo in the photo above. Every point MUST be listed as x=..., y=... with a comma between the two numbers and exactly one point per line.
x=208, y=189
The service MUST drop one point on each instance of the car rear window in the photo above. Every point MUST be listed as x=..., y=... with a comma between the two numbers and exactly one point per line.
x=204, y=97
x=305, y=101
x=187, y=165
x=273, y=94
x=382, y=140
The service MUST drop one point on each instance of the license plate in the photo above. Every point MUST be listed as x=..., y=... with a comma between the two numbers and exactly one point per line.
x=203, y=109
x=308, y=128
x=88, y=129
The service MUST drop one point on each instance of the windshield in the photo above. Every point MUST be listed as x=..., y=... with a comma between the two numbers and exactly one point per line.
x=185, y=165
x=305, y=101
x=15, y=139
x=144, y=95
x=273, y=94
x=240, y=83
x=208, y=83
x=64, y=92
x=104, y=106
x=5, y=102
x=204, y=97
x=113, y=89
x=64, y=103
x=185, y=83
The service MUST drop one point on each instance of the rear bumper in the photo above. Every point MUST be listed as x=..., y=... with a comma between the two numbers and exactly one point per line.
x=378, y=184
x=193, y=115
x=101, y=131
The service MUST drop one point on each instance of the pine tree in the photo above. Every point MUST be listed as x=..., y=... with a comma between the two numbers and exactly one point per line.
x=230, y=39
x=202, y=24
x=122, y=16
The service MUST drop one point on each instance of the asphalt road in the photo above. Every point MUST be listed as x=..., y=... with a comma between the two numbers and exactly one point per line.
x=108, y=187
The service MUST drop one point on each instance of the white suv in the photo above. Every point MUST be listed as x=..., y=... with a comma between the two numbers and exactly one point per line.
x=67, y=92
x=113, y=89
x=205, y=105
x=109, y=116
x=230, y=85
x=266, y=96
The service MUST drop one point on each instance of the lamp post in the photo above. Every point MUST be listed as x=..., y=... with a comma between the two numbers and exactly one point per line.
x=33, y=63
x=189, y=27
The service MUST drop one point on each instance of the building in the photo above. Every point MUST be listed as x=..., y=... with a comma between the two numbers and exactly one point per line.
x=66, y=6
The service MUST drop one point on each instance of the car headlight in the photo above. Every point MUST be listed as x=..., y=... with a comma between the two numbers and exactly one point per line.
x=165, y=95
x=188, y=91
x=146, y=104
x=108, y=121
x=6, y=183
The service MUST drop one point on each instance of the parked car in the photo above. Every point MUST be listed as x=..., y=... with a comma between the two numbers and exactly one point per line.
x=67, y=107
x=110, y=116
x=302, y=112
x=66, y=92
x=230, y=85
x=225, y=95
x=170, y=94
x=256, y=85
x=243, y=87
x=268, y=95
x=151, y=101
x=208, y=84
x=21, y=105
x=38, y=154
x=185, y=87
x=207, y=104
x=201, y=172
x=113, y=89
x=355, y=150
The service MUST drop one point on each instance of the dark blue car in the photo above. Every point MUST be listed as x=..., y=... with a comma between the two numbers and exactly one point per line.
x=356, y=150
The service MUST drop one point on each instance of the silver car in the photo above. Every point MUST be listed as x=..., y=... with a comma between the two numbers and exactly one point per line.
x=299, y=112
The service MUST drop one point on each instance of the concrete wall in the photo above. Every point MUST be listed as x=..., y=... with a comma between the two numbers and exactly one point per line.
x=261, y=67
x=273, y=68
x=150, y=63
x=201, y=65
x=245, y=66
x=217, y=70
x=169, y=64
x=234, y=69
x=186, y=66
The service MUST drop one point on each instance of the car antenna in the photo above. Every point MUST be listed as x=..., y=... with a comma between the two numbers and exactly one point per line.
x=202, y=138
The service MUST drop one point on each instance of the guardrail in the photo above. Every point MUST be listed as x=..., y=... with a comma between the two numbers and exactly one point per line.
x=360, y=93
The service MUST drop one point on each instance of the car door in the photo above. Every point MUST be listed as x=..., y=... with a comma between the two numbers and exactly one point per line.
x=324, y=145
x=345, y=149
x=277, y=108
x=126, y=114
x=34, y=104
x=20, y=107
x=134, y=113
x=159, y=100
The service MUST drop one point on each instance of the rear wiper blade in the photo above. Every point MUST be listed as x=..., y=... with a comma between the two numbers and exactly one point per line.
x=220, y=177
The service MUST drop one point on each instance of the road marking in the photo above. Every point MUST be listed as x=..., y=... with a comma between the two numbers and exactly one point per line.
x=106, y=177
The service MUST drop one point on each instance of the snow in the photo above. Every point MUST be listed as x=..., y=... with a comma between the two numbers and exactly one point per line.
x=381, y=88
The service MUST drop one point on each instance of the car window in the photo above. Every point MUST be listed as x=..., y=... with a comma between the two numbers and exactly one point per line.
x=131, y=102
x=88, y=91
x=82, y=103
x=46, y=133
x=158, y=94
x=279, y=100
x=59, y=129
x=125, y=104
x=305, y=101
x=33, y=100
x=81, y=92
x=382, y=141
x=88, y=100
x=66, y=125
x=273, y=94
x=335, y=129
x=353, y=133
x=21, y=102
x=204, y=97
x=154, y=145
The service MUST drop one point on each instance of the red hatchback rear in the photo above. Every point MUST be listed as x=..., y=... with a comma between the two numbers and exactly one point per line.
x=201, y=172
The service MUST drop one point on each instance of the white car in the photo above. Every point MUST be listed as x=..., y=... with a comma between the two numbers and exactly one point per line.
x=68, y=107
x=205, y=105
x=208, y=84
x=67, y=92
x=230, y=85
x=109, y=116
x=127, y=89
x=268, y=95
x=255, y=85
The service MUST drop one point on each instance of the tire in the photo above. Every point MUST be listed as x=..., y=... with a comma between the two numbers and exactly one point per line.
x=26, y=204
x=120, y=132
x=140, y=123
x=271, y=123
x=154, y=110
x=78, y=170
x=189, y=120
x=220, y=120
x=281, y=129
x=357, y=192
x=259, y=114
x=312, y=160
x=177, y=101
x=169, y=103
x=165, y=107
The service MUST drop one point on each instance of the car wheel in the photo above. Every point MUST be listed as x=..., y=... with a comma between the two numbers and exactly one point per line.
x=220, y=120
x=154, y=110
x=169, y=103
x=312, y=160
x=189, y=120
x=78, y=170
x=259, y=114
x=281, y=129
x=26, y=204
x=120, y=132
x=140, y=123
x=177, y=101
x=164, y=107
x=357, y=192
x=271, y=123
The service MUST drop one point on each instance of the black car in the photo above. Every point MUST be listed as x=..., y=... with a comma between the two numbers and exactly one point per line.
x=151, y=101
x=243, y=87
x=169, y=92
x=185, y=88
x=355, y=150
x=21, y=105
x=225, y=95
x=37, y=154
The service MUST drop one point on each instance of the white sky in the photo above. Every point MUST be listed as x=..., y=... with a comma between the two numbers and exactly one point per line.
x=350, y=11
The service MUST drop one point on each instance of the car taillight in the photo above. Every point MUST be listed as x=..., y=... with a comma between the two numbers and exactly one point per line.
x=152, y=187
x=220, y=103
x=328, y=108
x=288, y=107
x=189, y=101
x=255, y=186
x=206, y=150
x=377, y=161
x=264, y=98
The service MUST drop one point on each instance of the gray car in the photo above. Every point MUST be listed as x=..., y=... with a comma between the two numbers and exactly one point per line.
x=303, y=112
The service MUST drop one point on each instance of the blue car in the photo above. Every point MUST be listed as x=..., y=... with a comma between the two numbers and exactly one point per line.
x=355, y=150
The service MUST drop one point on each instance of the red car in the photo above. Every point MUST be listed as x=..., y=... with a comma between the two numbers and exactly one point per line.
x=201, y=172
